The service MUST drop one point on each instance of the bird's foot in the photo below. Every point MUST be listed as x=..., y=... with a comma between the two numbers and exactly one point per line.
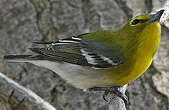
x=114, y=90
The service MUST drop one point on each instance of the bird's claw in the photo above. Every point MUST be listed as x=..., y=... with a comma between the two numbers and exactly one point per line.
x=112, y=90
x=116, y=92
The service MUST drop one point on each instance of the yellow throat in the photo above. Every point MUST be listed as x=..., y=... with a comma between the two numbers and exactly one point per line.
x=140, y=55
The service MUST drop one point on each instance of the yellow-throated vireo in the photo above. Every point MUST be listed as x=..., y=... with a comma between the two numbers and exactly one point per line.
x=101, y=60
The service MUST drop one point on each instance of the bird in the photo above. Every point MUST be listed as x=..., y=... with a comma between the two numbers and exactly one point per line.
x=103, y=60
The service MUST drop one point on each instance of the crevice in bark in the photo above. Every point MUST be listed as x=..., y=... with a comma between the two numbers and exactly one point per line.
x=123, y=6
x=9, y=102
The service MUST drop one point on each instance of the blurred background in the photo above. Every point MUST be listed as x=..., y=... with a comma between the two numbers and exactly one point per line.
x=22, y=21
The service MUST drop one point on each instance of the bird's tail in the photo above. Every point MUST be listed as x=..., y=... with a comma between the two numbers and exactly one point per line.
x=20, y=58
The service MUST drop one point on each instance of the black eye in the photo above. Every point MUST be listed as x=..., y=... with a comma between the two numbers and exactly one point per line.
x=136, y=21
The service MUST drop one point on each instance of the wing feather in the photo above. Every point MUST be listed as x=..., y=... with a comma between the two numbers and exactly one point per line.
x=76, y=51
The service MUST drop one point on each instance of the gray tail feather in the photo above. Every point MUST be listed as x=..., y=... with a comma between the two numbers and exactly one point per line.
x=22, y=58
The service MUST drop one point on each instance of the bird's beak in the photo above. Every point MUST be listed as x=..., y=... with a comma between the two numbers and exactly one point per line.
x=156, y=17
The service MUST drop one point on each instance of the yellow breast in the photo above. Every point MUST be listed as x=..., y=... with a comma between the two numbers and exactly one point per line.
x=142, y=56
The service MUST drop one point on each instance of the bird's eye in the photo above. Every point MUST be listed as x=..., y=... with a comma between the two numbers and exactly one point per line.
x=136, y=21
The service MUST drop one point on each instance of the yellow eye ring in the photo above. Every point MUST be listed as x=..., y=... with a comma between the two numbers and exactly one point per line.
x=134, y=22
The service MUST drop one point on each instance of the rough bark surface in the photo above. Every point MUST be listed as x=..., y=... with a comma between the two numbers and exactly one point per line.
x=22, y=21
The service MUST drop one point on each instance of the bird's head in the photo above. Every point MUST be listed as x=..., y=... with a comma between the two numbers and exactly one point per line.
x=139, y=23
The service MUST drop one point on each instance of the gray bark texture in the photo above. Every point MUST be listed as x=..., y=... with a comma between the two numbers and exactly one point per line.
x=22, y=21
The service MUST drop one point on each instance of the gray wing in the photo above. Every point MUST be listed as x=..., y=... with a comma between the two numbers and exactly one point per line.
x=76, y=51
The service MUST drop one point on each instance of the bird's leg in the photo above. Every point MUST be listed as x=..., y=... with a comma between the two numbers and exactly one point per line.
x=114, y=90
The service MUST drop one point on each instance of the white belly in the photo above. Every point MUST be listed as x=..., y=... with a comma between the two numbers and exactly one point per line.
x=81, y=77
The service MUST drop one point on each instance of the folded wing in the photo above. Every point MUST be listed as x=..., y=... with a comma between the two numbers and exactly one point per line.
x=77, y=51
